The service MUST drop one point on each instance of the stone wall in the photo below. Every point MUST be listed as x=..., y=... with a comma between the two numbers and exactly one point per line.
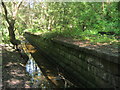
x=93, y=69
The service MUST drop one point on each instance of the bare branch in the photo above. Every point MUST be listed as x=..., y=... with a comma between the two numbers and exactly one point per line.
x=16, y=9
x=19, y=4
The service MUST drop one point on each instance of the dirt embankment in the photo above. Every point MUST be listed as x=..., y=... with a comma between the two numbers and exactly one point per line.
x=14, y=73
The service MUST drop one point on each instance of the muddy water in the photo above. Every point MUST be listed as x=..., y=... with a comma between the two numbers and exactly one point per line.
x=43, y=73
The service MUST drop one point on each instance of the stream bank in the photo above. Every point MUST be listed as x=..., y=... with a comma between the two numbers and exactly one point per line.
x=21, y=72
x=14, y=73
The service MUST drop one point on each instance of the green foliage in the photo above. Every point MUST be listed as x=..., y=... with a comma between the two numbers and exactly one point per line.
x=102, y=39
x=91, y=35
x=79, y=20
x=85, y=20
x=5, y=35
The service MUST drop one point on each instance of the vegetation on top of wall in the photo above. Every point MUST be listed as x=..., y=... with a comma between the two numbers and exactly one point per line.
x=92, y=36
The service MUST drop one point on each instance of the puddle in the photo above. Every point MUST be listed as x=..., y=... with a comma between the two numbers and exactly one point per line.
x=43, y=74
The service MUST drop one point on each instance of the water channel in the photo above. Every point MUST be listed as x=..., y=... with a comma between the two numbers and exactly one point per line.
x=43, y=73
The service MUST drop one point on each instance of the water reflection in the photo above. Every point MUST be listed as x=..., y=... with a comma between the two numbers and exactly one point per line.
x=38, y=80
x=46, y=76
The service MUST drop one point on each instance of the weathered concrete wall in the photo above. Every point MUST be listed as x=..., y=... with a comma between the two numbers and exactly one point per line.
x=92, y=68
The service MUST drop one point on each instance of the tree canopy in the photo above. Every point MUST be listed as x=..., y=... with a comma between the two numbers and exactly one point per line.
x=71, y=19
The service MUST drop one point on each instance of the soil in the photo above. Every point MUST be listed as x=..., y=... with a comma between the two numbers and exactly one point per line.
x=14, y=73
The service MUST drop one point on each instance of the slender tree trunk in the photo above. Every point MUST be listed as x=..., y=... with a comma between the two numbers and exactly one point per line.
x=12, y=31
x=11, y=22
x=118, y=6
x=103, y=6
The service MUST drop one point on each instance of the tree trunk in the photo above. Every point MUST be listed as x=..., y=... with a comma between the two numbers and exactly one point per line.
x=11, y=31
x=118, y=6
x=11, y=23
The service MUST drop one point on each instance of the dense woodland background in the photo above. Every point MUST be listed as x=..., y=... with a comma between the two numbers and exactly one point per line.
x=93, y=21
x=95, y=25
